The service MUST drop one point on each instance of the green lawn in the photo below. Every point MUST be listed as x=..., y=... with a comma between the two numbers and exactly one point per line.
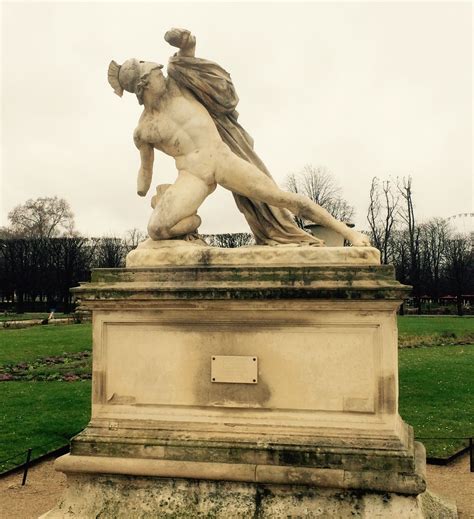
x=28, y=344
x=436, y=386
x=437, y=394
x=426, y=325
x=43, y=415
x=432, y=331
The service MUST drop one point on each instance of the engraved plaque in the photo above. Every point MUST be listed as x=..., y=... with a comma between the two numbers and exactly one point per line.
x=234, y=369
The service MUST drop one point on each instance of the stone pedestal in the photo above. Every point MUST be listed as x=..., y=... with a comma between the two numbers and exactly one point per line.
x=267, y=389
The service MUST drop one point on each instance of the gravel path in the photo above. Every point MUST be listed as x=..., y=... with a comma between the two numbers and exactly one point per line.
x=454, y=482
x=45, y=485
x=41, y=492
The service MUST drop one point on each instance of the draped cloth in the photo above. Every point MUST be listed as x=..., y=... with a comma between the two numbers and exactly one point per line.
x=212, y=87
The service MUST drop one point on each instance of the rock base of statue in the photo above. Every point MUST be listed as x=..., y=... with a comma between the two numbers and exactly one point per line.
x=268, y=389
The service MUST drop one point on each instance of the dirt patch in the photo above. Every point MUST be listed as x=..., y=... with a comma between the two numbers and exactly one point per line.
x=454, y=482
x=45, y=486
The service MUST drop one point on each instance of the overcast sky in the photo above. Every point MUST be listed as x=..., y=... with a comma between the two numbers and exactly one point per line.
x=363, y=89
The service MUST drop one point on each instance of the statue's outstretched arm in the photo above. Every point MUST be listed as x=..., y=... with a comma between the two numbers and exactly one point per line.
x=145, y=174
x=183, y=39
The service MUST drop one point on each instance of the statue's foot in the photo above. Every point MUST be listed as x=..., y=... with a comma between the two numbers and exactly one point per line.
x=193, y=237
x=358, y=239
x=316, y=243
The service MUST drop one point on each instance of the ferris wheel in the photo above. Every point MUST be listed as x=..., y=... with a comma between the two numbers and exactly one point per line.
x=462, y=222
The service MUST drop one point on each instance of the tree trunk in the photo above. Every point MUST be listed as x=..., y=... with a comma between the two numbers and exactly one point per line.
x=20, y=303
x=418, y=306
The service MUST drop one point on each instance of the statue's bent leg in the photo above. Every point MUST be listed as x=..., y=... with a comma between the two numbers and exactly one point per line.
x=175, y=212
x=244, y=178
x=187, y=225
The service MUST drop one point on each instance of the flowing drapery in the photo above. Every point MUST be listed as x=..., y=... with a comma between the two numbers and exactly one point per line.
x=212, y=86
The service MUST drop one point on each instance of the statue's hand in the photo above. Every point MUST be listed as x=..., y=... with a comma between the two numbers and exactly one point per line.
x=181, y=38
x=358, y=239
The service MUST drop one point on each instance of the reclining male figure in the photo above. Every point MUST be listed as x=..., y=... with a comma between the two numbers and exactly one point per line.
x=176, y=123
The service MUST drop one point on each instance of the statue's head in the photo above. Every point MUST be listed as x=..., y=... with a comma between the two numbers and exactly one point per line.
x=134, y=76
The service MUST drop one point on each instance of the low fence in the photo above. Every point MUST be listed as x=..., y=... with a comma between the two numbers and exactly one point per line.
x=437, y=460
x=24, y=459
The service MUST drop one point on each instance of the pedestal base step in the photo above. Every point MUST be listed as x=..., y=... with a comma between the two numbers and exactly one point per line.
x=123, y=497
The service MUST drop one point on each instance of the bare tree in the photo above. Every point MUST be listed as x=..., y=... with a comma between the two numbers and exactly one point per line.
x=340, y=209
x=413, y=231
x=6, y=233
x=382, y=216
x=45, y=217
x=435, y=235
x=39, y=272
x=71, y=260
x=15, y=255
x=320, y=185
x=110, y=252
x=133, y=237
x=460, y=265
x=229, y=240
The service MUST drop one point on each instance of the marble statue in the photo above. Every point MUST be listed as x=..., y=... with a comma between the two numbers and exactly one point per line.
x=277, y=393
x=190, y=115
